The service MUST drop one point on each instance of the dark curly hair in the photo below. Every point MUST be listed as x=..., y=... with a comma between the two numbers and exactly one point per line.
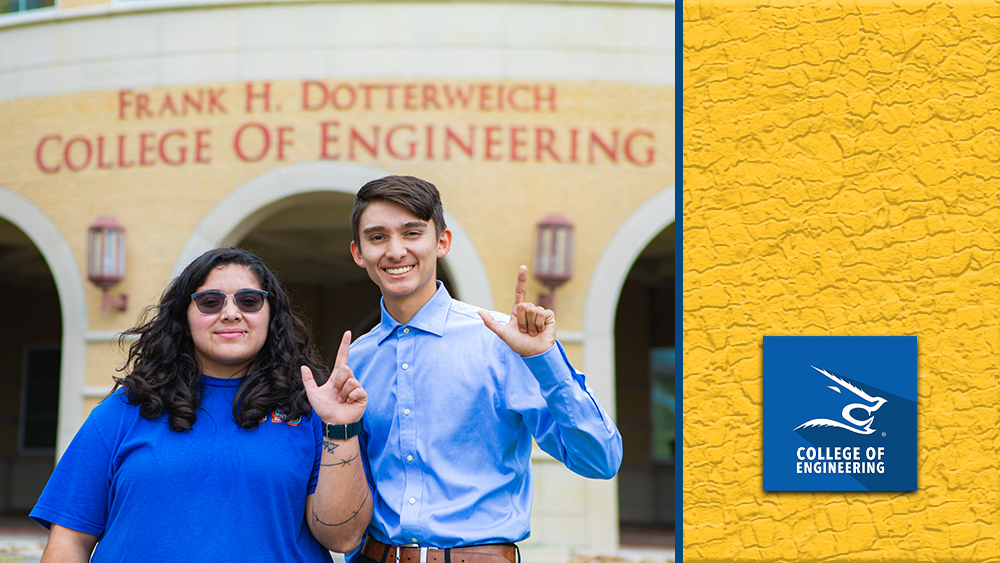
x=161, y=370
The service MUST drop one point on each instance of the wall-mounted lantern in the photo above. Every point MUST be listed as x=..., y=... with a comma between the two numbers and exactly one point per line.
x=553, y=256
x=106, y=260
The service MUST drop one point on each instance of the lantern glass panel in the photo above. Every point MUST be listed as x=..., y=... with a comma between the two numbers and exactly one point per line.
x=560, y=255
x=121, y=254
x=545, y=263
x=112, y=241
x=94, y=266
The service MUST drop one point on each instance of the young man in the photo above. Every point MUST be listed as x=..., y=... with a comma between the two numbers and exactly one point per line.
x=455, y=397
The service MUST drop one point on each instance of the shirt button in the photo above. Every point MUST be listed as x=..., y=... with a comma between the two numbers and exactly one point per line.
x=409, y=458
x=414, y=540
x=413, y=500
x=406, y=366
x=406, y=331
x=406, y=411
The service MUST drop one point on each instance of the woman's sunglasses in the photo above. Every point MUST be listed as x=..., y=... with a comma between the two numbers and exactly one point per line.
x=212, y=301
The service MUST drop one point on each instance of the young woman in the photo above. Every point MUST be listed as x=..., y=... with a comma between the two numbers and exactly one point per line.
x=218, y=444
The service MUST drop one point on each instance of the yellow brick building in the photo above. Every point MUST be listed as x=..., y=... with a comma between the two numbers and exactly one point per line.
x=198, y=124
x=840, y=178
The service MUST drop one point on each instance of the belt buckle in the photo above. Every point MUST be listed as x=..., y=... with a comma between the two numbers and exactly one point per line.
x=399, y=549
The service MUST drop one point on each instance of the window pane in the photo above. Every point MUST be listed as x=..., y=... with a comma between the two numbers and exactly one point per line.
x=661, y=367
x=11, y=6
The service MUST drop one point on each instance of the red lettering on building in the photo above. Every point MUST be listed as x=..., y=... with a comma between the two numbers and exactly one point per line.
x=201, y=144
x=485, y=96
x=181, y=151
x=461, y=95
x=390, y=89
x=610, y=151
x=545, y=97
x=391, y=147
x=492, y=143
x=650, y=147
x=512, y=98
x=372, y=147
x=339, y=101
x=283, y=140
x=122, y=163
x=311, y=86
x=367, y=89
x=145, y=148
x=191, y=102
x=68, y=160
x=140, y=105
x=493, y=140
x=450, y=136
x=167, y=103
x=516, y=142
x=544, y=137
x=410, y=96
x=215, y=101
x=264, y=95
x=124, y=100
x=101, y=163
x=325, y=138
x=40, y=147
x=264, y=141
x=430, y=96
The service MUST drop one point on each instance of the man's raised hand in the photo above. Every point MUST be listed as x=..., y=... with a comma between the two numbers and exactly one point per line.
x=532, y=329
x=342, y=399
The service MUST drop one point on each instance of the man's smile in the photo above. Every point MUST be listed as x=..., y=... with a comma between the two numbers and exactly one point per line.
x=399, y=270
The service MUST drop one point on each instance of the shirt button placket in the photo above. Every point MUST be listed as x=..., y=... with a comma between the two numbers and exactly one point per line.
x=410, y=509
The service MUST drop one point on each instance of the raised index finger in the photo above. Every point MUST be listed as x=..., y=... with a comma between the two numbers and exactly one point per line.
x=345, y=346
x=521, y=289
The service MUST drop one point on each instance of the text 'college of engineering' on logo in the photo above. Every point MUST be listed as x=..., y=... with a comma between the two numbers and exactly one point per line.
x=855, y=425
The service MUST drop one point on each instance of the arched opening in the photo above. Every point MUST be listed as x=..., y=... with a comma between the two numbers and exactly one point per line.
x=241, y=212
x=30, y=361
x=644, y=372
x=607, y=287
x=305, y=239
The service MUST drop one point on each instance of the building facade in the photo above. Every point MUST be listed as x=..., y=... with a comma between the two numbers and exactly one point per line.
x=199, y=124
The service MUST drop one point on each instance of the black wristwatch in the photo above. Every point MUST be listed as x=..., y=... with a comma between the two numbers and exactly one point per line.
x=343, y=431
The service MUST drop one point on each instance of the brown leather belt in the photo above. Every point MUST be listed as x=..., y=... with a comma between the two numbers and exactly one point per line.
x=488, y=553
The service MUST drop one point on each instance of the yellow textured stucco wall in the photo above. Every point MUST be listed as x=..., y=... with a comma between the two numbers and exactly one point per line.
x=840, y=178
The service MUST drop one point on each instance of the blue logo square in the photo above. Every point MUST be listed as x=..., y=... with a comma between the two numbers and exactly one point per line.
x=840, y=413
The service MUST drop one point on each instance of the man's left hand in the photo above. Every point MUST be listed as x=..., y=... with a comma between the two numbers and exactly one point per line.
x=532, y=329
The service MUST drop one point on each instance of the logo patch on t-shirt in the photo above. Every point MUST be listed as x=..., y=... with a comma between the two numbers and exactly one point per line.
x=277, y=416
x=840, y=413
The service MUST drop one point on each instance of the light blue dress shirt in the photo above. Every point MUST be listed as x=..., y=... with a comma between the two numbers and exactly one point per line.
x=449, y=425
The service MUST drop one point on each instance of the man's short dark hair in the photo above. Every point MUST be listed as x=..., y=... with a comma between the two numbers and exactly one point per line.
x=417, y=196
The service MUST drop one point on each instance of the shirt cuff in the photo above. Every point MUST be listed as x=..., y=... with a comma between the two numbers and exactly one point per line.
x=551, y=368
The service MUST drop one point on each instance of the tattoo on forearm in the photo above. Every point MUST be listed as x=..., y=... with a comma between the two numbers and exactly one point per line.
x=330, y=446
x=341, y=463
x=351, y=517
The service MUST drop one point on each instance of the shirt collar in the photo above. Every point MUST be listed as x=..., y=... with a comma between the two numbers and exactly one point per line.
x=430, y=318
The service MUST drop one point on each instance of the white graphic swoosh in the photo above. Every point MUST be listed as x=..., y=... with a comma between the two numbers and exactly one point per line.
x=828, y=422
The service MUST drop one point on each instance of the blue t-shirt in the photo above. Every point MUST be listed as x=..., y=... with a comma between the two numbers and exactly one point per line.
x=216, y=492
